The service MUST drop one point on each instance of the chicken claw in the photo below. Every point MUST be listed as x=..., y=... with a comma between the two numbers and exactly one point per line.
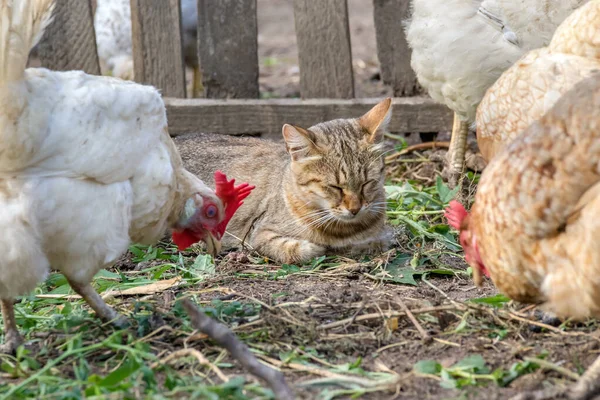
x=12, y=337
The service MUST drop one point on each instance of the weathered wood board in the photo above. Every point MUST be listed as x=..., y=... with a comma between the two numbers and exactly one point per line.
x=414, y=114
x=324, y=52
x=69, y=43
x=157, y=48
x=392, y=47
x=228, y=50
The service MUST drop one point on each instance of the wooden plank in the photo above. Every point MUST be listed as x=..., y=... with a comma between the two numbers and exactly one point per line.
x=392, y=47
x=228, y=50
x=324, y=52
x=69, y=43
x=410, y=114
x=157, y=49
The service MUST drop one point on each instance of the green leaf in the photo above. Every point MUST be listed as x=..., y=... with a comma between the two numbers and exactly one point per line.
x=204, y=264
x=448, y=382
x=495, y=301
x=404, y=275
x=356, y=363
x=123, y=372
x=473, y=362
x=444, y=191
x=430, y=367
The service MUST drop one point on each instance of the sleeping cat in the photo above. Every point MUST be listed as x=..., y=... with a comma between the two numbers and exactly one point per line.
x=319, y=193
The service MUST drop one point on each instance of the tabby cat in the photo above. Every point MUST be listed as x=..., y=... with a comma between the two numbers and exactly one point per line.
x=320, y=193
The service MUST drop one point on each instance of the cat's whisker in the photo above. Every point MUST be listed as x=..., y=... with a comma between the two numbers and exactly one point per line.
x=379, y=155
x=332, y=221
x=304, y=218
x=377, y=203
x=311, y=225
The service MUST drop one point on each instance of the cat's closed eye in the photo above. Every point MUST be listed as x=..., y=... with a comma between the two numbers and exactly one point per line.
x=336, y=188
x=368, y=186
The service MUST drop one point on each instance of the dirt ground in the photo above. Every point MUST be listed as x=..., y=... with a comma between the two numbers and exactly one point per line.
x=333, y=314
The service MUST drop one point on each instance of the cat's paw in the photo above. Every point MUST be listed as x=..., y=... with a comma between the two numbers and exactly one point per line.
x=301, y=251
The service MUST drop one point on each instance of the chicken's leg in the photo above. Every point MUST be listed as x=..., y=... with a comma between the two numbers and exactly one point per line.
x=103, y=310
x=12, y=337
x=197, y=86
x=457, y=151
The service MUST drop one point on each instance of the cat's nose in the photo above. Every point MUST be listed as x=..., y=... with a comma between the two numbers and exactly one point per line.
x=355, y=209
x=352, y=203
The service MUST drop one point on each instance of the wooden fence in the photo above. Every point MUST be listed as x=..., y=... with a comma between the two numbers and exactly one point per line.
x=229, y=59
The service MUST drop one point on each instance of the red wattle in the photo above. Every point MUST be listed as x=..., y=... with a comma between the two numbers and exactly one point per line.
x=184, y=239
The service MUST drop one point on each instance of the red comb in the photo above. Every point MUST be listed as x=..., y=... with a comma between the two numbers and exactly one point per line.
x=231, y=196
x=455, y=213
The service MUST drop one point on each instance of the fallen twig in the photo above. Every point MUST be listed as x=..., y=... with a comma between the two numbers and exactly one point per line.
x=366, y=317
x=196, y=354
x=548, y=365
x=238, y=350
x=327, y=374
x=424, y=335
x=418, y=146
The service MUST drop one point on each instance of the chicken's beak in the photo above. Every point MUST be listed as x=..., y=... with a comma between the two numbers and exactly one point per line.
x=213, y=245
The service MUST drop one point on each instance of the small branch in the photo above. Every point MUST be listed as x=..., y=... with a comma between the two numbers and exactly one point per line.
x=238, y=350
x=424, y=335
x=196, y=354
x=328, y=374
x=548, y=365
x=416, y=147
x=366, y=317
x=536, y=323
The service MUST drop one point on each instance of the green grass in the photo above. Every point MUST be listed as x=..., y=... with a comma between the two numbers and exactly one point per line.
x=72, y=355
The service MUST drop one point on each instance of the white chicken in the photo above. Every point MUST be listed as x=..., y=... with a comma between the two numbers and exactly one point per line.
x=112, y=22
x=86, y=167
x=461, y=47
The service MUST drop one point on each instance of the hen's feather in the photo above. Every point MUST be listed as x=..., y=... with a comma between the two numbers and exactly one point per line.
x=533, y=84
x=460, y=48
x=22, y=24
x=537, y=220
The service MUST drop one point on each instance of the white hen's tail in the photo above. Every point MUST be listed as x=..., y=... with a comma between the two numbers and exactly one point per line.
x=22, y=24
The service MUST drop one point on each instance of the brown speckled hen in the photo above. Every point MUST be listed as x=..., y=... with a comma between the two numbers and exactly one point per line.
x=535, y=223
x=530, y=88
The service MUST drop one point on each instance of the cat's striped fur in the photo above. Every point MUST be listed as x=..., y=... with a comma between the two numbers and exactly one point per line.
x=320, y=192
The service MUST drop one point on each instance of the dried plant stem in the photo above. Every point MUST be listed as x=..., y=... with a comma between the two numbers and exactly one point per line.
x=238, y=350
x=366, y=317
x=424, y=335
x=196, y=354
x=416, y=147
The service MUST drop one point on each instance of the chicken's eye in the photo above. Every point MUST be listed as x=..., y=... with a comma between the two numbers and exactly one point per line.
x=211, y=211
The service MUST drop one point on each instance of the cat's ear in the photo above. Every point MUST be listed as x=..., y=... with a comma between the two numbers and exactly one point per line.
x=376, y=120
x=299, y=142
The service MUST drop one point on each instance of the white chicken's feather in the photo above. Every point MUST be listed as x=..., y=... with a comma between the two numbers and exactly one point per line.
x=71, y=113
x=94, y=171
x=22, y=24
x=458, y=52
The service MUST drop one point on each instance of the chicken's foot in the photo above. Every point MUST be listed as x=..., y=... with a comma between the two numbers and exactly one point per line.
x=103, y=310
x=12, y=337
x=586, y=388
x=197, y=86
x=457, y=151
